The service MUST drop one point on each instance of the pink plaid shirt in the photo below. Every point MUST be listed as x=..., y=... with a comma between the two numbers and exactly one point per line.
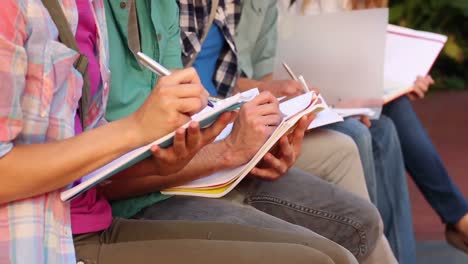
x=39, y=94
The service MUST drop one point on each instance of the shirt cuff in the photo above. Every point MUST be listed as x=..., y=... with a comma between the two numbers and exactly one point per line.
x=263, y=68
x=5, y=148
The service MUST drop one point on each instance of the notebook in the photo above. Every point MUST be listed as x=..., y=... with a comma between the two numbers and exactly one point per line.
x=408, y=53
x=222, y=182
x=341, y=53
x=205, y=117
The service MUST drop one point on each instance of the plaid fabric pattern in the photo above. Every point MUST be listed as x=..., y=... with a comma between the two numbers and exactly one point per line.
x=40, y=91
x=194, y=14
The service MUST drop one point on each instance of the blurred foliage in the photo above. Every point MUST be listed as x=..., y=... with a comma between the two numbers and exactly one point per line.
x=448, y=17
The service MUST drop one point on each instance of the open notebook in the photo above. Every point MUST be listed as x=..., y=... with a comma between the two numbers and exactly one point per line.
x=205, y=117
x=222, y=182
x=408, y=53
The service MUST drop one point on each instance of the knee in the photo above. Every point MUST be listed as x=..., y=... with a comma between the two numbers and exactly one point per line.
x=370, y=231
x=359, y=133
x=347, y=146
x=303, y=254
x=366, y=225
x=385, y=132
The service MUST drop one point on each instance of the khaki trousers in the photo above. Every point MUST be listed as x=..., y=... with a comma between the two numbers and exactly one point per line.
x=140, y=241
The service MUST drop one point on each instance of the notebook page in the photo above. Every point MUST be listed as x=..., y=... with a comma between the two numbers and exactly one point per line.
x=408, y=53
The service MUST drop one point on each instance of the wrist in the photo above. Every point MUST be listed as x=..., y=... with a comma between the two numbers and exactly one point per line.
x=231, y=155
x=133, y=134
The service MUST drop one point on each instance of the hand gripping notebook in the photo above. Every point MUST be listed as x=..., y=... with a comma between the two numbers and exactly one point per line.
x=222, y=182
x=205, y=117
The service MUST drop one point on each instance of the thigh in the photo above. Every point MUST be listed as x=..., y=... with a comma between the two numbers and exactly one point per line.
x=229, y=209
x=145, y=237
x=334, y=157
x=310, y=202
x=363, y=139
x=199, y=251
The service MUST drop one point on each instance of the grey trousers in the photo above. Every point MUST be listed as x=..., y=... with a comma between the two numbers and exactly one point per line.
x=297, y=202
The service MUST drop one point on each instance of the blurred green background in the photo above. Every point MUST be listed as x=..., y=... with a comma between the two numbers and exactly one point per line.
x=448, y=17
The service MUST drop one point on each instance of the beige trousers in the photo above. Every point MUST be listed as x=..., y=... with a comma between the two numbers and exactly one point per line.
x=140, y=241
x=334, y=157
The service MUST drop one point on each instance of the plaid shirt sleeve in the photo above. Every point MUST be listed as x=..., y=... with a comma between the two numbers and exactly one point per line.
x=193, y=16
x=13, y=66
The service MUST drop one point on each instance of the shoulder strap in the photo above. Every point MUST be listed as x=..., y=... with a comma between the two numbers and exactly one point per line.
x=67, y=38
x=214, y=7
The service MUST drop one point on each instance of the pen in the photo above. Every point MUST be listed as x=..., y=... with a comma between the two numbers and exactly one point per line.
x=304, y=84
x=289, y=71
x=293, y=76
x=157, y=68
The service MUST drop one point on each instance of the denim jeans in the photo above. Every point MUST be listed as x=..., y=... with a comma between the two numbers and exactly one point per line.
x=424, y=163
x=296, y=202
x=382, y=159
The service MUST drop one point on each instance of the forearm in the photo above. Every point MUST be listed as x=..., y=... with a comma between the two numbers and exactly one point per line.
x=212, y=158
x=244, y=84
x=29, y=170
x=267, y=78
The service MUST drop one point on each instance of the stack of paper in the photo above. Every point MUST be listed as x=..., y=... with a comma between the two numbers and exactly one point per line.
x=222, y=182
x=206, y=117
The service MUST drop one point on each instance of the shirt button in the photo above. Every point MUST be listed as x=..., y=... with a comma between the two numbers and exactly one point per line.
x=43, y=113
x=123, y=5
x=159, y=37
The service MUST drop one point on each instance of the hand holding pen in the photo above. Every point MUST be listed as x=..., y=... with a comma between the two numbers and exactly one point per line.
x=157, y=68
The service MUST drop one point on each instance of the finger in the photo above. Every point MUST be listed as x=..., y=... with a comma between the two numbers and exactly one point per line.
x=293, y=88
x=187, y=90
x=271, y=120
x=210, y=133
x=417, y=91
x=431, y=81
x=278, y=165
x=264, y=174
x=412, y=96
x=297, y=136
x=302, y=125
x=423, y=84
x=264, y=98
x=287, y=152
x=365, y=120
x=265, y=109
x=156, y=150
x=193, y=136
x=179, y=141
x=189, y=106
x=160, y=154
x=188, y=75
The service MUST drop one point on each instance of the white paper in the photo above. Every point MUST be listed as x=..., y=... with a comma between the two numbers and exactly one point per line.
x=342, y=54
x=347, y=112
x=408, y=53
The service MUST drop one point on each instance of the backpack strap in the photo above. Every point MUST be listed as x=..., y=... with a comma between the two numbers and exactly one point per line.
x=67, y=38
x=214, y=7
x=133, y=28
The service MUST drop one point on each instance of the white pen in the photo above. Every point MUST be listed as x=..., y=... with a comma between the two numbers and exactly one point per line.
x=152, y=65
x=157, y=68
x=289, y=71
x=304, y=84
